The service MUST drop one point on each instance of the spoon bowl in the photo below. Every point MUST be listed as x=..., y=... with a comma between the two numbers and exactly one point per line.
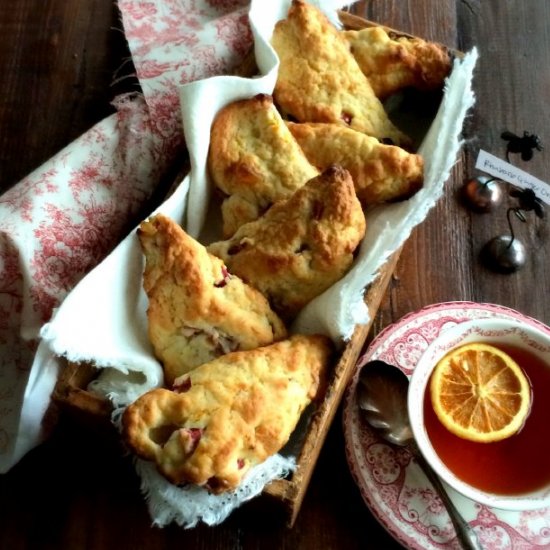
x=381, y=393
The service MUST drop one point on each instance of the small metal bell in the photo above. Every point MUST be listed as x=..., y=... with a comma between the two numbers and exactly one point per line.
x=504, y=254
x=482, y=194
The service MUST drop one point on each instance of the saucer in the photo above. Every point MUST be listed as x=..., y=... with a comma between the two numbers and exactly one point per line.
x=393, y=486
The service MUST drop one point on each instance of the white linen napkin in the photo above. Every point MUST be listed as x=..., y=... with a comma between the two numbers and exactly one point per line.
x=103, y=320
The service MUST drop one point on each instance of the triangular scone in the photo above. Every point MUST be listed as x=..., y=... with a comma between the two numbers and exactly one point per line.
x=320, y=81
x=380, y=173
x=300, y=246
x=197, y=310
x=228, y=415
x=254, y=160
x=392, y=62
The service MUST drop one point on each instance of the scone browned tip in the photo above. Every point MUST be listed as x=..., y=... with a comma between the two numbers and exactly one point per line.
x=319, y=80
x=380, y=172
x=254, y=160
x=229, y=414
x=300, y=246
x=392, y=62
x=197, y=309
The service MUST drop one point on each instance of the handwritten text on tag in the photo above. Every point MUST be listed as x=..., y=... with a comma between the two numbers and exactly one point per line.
x=503, y=170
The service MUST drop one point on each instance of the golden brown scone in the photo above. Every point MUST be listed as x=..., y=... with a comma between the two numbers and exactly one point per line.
x=320, y=81
x=300, y=246
x=392, y=62
x=254, y=160
x=228, y=415
x=197, y=310
x=380, y=173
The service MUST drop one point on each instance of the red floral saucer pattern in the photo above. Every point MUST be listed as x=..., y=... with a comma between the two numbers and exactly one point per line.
x=393, y=486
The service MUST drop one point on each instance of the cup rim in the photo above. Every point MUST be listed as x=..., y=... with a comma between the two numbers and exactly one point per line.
x=451, y=338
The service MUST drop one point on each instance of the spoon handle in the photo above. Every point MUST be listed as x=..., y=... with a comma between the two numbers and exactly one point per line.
x=465, y=534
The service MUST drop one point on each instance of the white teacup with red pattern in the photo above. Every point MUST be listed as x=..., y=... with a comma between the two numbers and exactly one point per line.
x=513, y=474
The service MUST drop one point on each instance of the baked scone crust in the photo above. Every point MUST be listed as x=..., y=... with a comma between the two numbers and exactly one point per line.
x=228, y=415
x=392, y=62
x=197, y=311
x=254, y=160
x=381, y=173
x=300, y=246
x=320, y=81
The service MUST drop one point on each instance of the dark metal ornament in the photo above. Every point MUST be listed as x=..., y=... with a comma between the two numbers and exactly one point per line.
x=482, y=194
x=525, y=145
x=504, y=254
x=528, y=202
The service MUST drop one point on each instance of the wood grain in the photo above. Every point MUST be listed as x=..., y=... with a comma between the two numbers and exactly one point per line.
x=58, y=61
x=70, y=493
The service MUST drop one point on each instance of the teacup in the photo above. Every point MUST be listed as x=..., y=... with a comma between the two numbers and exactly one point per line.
x=455, y=459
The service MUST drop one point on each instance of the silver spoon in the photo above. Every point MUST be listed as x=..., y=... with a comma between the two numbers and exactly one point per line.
x=382, y=395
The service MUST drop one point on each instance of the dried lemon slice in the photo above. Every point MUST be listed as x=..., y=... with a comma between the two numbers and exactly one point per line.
x=480, y=393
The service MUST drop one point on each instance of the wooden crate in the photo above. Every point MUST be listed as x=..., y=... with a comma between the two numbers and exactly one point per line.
x=72, y=396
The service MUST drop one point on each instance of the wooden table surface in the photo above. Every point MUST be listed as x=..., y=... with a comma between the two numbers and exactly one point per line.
x=57, y=61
